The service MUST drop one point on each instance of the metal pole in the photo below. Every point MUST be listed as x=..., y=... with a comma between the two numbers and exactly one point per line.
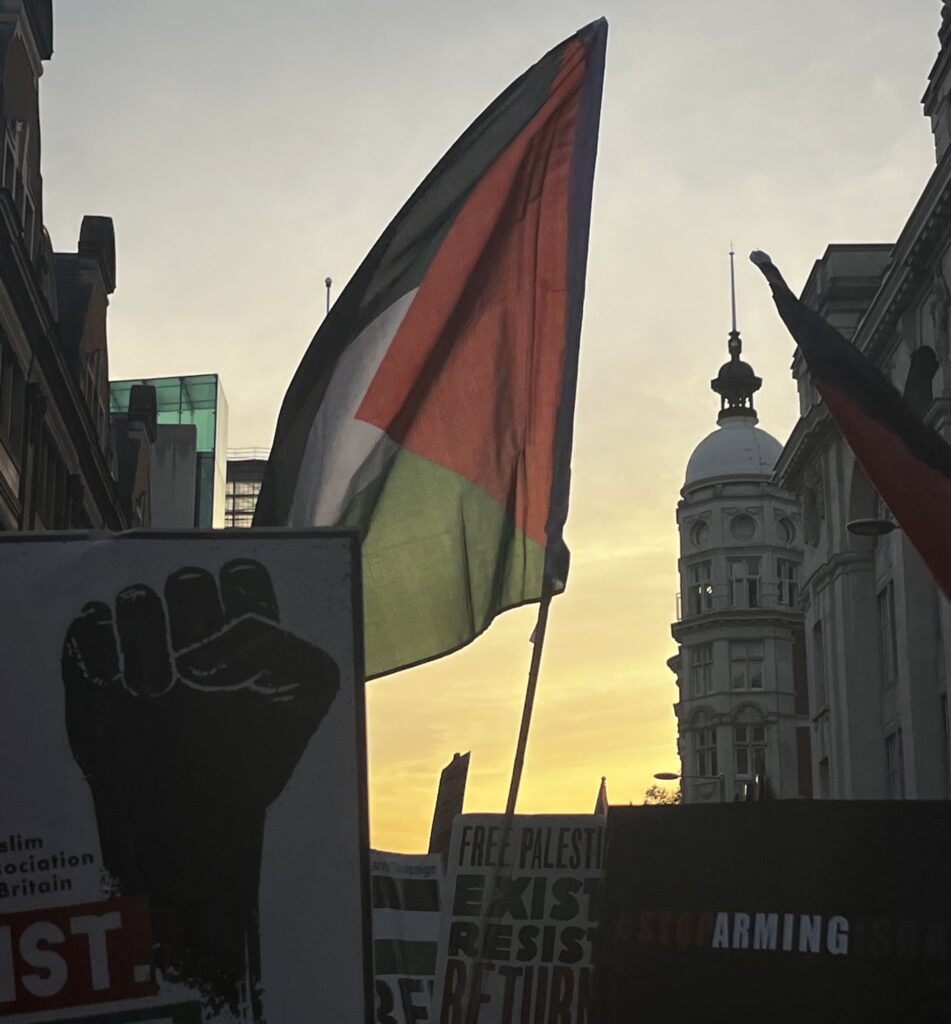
x=328, y=281
x=540, y=627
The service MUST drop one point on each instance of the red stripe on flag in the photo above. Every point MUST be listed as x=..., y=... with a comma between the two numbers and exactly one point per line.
x=919, y=497
x=472, y=381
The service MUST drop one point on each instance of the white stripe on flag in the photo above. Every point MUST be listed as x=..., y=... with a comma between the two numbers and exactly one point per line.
x=407, y=925
x=343, y=454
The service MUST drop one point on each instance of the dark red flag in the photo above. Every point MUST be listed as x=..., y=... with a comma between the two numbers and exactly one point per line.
x=907, y=462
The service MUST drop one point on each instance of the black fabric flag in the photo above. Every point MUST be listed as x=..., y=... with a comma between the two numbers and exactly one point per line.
x=907, y=462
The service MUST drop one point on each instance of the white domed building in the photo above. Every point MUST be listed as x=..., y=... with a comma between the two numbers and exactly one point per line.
x=742, y=712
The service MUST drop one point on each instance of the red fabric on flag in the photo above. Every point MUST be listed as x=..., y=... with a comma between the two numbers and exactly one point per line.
x=918, y=496
x=473, y=378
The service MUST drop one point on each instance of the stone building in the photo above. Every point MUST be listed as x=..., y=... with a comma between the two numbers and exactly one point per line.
x=742, y=704
x=59, y=464
x=875, y=624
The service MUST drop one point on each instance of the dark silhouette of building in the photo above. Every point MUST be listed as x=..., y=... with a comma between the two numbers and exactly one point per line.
x=60, y=463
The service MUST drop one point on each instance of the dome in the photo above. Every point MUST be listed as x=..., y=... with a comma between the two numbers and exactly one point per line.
x=737, y=370
x=736, y=448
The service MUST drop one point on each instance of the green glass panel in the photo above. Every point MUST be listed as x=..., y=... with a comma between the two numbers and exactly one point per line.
x=197, y=400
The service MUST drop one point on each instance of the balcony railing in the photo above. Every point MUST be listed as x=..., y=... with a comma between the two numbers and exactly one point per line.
x=738, y=595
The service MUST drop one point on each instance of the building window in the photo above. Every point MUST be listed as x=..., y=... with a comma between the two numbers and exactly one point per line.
x=744, y=582
x=701, y=669
x=788, y=573
x=91, y=378
x=749, y=749
x=700, y=590
x=746, y=665
x=819, y=667
x=743, y=528
x=12, y=403
x=49, y=484
x=895, y=766
x=16, y=176
x=705, y=751
x=887, y=633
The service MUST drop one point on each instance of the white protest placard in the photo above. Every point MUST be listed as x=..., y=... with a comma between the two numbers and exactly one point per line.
x=183, y=813
x=521, y=908
x=406, y=893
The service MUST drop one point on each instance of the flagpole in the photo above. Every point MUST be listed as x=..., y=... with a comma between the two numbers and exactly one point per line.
x=539, y=643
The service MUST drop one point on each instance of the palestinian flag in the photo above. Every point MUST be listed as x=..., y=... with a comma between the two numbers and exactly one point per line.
x=906, y=461
x=433, y=410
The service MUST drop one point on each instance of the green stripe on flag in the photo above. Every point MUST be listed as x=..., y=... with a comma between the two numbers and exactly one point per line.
x=429, y=527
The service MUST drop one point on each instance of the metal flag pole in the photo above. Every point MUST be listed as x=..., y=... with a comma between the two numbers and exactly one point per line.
x=328, y=281
x=538, y=638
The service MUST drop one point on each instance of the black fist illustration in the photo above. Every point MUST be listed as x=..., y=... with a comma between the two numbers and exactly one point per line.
x=187, y=717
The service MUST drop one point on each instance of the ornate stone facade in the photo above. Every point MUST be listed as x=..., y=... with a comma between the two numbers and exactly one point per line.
x=742, y=704
x=875, y=624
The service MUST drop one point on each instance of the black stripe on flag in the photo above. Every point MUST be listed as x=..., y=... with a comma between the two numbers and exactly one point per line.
x=405, y=893
x=393, y=956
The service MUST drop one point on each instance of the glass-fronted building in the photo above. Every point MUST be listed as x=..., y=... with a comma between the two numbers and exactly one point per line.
x=245, y=474
x=196, y=400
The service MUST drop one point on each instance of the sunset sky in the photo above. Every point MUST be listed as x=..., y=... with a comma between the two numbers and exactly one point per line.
x=248, y=150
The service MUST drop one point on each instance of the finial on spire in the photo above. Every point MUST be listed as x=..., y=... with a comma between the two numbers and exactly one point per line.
x=736, y=383
x=734, y=345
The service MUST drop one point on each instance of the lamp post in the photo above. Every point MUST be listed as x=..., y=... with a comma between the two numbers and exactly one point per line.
x=672, y=776
x=870, y=527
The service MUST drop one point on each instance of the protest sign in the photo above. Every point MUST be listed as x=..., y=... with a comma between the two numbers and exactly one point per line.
x=182, y=779
x=522, y=903
x=806, y=910
x=407, y=898
x=449, y=801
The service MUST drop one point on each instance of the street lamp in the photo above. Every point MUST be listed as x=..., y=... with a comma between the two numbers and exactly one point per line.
x=673, y=776
x=870, y=527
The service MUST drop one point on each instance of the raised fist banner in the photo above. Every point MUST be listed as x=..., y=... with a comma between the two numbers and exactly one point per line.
x=187, y=715
x=206, y=696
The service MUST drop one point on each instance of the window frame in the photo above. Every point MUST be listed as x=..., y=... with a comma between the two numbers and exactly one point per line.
x=700, y=669
x=787, y=577
x=747, y=653
x=705, y=754
x=700, y=587
x=751, y=746
x=745, y=587
x=888, y=633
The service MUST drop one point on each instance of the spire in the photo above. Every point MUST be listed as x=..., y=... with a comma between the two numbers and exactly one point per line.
x=735, y=383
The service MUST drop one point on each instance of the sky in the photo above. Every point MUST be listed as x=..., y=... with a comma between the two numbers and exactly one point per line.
x=246, y=151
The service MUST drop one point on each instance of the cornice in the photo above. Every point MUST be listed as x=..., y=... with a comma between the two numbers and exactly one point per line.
x=840, y=564
x=912, y=256
x=714, y=621
x=812, y=435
